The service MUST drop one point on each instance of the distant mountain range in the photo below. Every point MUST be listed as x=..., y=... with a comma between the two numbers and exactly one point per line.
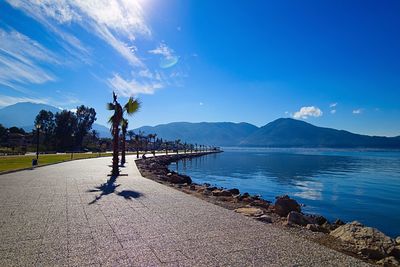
x=212, y=133
x=279, y=133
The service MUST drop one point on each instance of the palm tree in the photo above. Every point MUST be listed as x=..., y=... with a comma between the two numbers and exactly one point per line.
x=177, y=142
x=154, y=144
x=137, y=144
x=115, y=120
x=124, y=127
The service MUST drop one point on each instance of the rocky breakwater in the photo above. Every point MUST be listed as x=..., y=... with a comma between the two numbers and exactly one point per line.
x=352, y=238
x=156, y=168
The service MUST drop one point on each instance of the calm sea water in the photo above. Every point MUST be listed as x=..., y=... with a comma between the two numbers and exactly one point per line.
x=345, y=184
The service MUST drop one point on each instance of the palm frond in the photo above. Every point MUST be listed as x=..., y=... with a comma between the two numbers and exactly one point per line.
x=110, y=106
x=132, y=106
x=111, y=119
x=124, y=124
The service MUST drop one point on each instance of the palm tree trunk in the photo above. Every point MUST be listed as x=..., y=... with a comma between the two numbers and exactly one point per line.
x=123, y=150
x=115, y=167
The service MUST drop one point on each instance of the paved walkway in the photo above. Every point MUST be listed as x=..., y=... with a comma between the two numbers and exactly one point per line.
x=65, y=215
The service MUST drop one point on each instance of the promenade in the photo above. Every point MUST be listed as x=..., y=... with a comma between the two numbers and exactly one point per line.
x=69, y=215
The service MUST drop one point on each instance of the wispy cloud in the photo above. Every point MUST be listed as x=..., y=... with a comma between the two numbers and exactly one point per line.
x=132, y=87
x=168, y=59
x=333, y=111
x=22, y=60
x=306, y=112
x=333, y=105
x=358, y=111
x=117, y=22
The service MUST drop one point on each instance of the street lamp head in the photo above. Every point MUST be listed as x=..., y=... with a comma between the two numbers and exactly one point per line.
x=38, y=126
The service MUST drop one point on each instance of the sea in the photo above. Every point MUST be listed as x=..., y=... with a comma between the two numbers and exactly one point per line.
x=362, y=185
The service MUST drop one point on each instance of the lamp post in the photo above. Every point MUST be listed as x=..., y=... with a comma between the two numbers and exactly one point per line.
x=38, y=126
x=73, y=145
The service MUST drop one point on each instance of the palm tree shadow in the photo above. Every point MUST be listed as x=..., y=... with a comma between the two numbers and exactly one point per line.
x=110, y=187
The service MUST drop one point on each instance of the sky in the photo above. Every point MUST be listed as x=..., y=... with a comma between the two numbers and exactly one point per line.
x=331, y=63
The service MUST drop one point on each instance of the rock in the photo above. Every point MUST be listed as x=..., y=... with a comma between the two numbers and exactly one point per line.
x=200, y=190
x=252, y=212
x=316, y=228
x=246, y=194
x=192, y=187
x=211, y=188
x=234, y=191
x=284, y=205
x=261, y=203
x=264, y=218
x=339, y=222
x=328, y=227
x=295, y=217
x=398, y=240
x=389, y=261
x=395, y=252
x=369, y=241
x=221, y=193
x=316, y=219
x=178, y=178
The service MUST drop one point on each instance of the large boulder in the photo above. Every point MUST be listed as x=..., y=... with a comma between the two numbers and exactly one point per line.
x=284, y=205
x=389, y=262
x=295, y=217
x=221, y=193
x=252, y=212
x=176, y=178
x=369, y=241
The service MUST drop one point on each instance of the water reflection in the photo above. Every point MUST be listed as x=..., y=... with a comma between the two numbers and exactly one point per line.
x=349, y=185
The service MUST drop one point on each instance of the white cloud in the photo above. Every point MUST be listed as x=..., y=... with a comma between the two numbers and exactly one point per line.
x=333, y=111
x=306, y=112
x=132, y=87
x=333, y=105
x=169, y=58
x=22, y=60
x=358, y=111
x=10, y=100
x=114, y=21
x=201, y=103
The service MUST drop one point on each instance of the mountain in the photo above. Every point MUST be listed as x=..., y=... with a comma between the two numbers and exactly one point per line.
x=210, y=133
x=23, y=115
x=279, y=133
x=296, y=133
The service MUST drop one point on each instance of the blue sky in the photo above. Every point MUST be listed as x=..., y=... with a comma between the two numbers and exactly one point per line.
x=331, y=63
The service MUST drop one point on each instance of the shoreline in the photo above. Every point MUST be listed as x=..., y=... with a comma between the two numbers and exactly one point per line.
x=284, y=213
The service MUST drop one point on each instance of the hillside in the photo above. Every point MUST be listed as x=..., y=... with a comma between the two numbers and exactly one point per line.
x=210, y=133
x=296, y=133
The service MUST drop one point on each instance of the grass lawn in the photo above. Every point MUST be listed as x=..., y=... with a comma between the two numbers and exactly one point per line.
x=8, y=163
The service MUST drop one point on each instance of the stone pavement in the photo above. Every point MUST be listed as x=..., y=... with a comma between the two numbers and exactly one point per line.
x=66, y=215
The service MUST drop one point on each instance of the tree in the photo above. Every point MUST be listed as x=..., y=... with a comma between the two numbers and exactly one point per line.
x=137, y=144
x=66, y=125
x=47, y=123
x=124, y=127
x=177, y=143
x=85, y=118
x=131, y=107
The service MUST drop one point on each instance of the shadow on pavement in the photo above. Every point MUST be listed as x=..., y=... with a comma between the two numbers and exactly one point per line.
x=110, y=187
